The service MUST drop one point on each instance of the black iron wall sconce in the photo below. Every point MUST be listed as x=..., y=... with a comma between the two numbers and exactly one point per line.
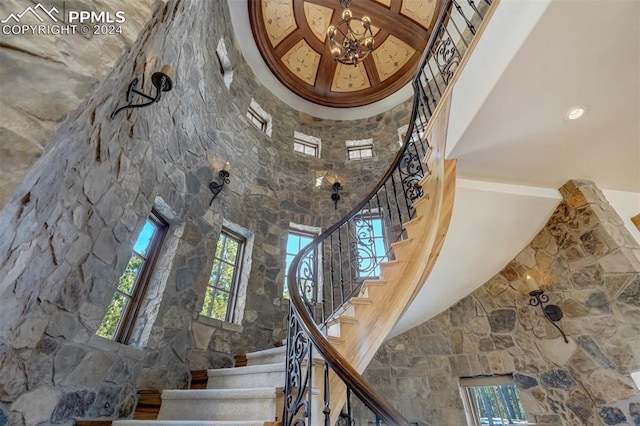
x=335, y=197
x=553, y=313
x=216, y=187
x=163, y=82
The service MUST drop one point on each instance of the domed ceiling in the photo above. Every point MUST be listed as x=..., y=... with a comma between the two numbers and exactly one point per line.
x=291, y=37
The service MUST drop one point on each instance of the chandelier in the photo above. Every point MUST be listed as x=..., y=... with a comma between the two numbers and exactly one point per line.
x=351, y=39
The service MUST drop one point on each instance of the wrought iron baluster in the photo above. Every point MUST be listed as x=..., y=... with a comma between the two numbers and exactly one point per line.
x=340, y=264
x=454, y=61
x=327, y=395
x=331, y=273
x=309, y=388
x=471, y=27
x=349, y=410
x=350, y=256
x=461, y=34
x=386, y=196
x=296, y=383
x=395, y=196
x=476, y=10
x=434, y=79
x=423, y=100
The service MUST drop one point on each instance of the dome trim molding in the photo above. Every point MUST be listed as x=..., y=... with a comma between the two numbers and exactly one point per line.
x=239, y=12
x=277, y=29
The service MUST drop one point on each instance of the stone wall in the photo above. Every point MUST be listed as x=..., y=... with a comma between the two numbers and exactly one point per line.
x=45, y=77
x=69, y=227
x=590, y=266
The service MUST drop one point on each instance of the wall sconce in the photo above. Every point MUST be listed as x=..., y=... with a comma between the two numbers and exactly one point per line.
x=163, y=82
x=216, y=187
x=553, y=313
x=335, y=196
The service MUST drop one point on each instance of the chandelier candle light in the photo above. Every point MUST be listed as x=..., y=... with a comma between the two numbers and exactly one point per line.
x=351, y=39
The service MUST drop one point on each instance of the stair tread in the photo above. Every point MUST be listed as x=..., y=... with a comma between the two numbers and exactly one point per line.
x=335, y=340
x=246, y=393
x=249, y=369
x=420, y=201
x=190, y=422
x=388, y=263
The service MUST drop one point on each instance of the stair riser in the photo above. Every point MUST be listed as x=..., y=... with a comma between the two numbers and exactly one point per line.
x=255, y=380
x=267, y=357
x=227, y=409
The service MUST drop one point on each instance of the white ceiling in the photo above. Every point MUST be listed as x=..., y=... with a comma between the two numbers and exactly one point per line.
x=579, y=53
x=507, y=129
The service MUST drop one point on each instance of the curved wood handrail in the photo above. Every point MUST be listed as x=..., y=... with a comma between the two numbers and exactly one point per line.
x=334, y=359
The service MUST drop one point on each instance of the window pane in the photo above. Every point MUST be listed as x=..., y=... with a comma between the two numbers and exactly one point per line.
x=144, y=239
x=112, y=318
x=128, y=278
x=208, y=301
x=496, y=405
x=295, y=243
x=226, y=277
x=230, y=251
x=215, y=272
x=220, y=303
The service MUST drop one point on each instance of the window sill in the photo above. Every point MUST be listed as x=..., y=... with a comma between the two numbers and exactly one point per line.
x=212, y=322
x=108, y=345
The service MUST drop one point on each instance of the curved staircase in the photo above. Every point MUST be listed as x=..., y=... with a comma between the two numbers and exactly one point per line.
x=346, y=297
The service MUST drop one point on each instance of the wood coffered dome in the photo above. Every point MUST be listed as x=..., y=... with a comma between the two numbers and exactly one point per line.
x=291, y=37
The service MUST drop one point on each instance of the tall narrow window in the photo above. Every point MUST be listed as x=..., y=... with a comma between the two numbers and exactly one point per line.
x=225, y=63
x=119, y=319
x=492, y=400
x=222, y=288
x=295, y=242
x=299, y=236
x=368, y=245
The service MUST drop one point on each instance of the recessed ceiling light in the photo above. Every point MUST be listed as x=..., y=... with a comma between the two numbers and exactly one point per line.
x=575, y=113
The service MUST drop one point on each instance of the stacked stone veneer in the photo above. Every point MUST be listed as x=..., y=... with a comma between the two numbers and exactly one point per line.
x=589, y=265
x=68, y=231
x=45, y=77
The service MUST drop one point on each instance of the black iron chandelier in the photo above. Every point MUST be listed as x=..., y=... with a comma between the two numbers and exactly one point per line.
x=351, y=39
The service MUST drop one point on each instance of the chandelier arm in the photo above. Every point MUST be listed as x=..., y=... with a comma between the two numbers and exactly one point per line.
x=339, y=29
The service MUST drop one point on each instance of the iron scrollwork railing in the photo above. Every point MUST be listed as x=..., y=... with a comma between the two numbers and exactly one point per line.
x=332, y=268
